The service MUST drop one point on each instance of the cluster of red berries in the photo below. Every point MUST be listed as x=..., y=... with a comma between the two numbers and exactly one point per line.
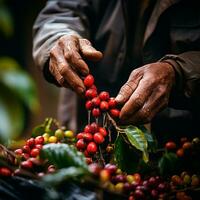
x=98, y=103
x=88, y=140
x=130, y=184
x=185, y=148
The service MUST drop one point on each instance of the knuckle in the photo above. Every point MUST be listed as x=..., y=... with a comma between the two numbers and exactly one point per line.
x=138, y=101
x=68, y=55
x=53, y=51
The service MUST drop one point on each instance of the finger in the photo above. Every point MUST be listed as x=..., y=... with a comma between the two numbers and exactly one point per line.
x=137, y=99
x=89, y=51
x=66, y=73
x=70, y=46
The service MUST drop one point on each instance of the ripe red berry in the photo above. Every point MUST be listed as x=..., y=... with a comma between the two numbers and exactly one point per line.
x=25, y=156
x=112, y=103
x=39, y=140
x=88, y=129
x=96, y=112
x=94, y=127
x=90, y=93
x=35, y=152
x=104, y=106
x=103, y=131
x=187, y=145
x=114, y=113
x=89, y=81
x=170, y=145
x=27, y=164
x=89, y=105
x=92, y=148
x=87, y=137
x=38, y=146
x=104, y=96
x=180, y=152
x=88, y=160
x=96, y=101
x=80, y=144
x=98, y=138
x=80, y=136
x=30, y=142
x=18, y=152
x=86, y=153
x=4, y=171
x=93, y=87
x=26, y=149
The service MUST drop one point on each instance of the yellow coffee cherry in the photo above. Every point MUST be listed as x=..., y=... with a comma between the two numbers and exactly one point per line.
x=59, y=134
x=52, y=139
x=69, y=134
x=46, y=137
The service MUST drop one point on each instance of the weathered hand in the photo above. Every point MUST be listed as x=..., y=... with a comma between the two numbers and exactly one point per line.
x=146, y=92
x=67, y=63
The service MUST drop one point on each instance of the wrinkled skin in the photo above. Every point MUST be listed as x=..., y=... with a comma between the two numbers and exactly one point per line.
x=67, y=63
x=145, y=93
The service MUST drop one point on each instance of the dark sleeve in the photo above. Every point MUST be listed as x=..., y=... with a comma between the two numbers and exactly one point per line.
x=58, y=18
x=187, y=69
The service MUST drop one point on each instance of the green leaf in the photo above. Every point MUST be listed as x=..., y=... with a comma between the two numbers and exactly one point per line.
x=63, y=155
x=6, y=22
x=21, y=85
x=168, y=164
x=62, y=175
x=126, y=157
x=11, y=116
x=138, y=140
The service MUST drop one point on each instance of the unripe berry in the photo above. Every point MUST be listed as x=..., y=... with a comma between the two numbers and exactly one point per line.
x=69, y=134
x=98, y=138
x=104, y=106
x=52, y=139
x=92, y=148
x=59, y=134
x=88, y=81
x=104, y=96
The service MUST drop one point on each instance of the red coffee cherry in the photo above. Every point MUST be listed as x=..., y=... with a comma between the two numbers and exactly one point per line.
x=27, y=164
x=38, y=146
x=89, y=81
x=94, y=127
x=104, y=96
x=30, y=142
x=103, y=131
x=87, y=137
x=92, y=148
x=4, y=171
x=39, y=140
x=96, y=112
x=80, y=135
x=18, y=152
x=25, y=156
x=104, y=106
x=90, y=93
x=114, y=113
x=26, y=149
x=112, y=103
x=96, y=101
x=170, y=145
x=35, y=152
x=80, y=144
x=89, y=105
x=88, y=129
x=98, y=138
x=93, y=87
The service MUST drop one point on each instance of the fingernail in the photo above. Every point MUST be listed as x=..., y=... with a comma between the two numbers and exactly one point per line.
x=119, y=98
x=80, y=90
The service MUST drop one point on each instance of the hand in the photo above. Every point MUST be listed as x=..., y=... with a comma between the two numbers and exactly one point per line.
x=146, y=92
x=67, y=63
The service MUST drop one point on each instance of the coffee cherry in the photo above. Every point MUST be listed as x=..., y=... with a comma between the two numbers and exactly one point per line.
x=195, y=180
x=104, y=106
x=35, y=152
x=69, y=134
x=26, y=149
x=59, y=134
x=131, y=198
x=30, y=142
x=139, y=194
x=18, y=152
x=114, y=113
x=88, y=129
x=94, y=127
x=187, y=179
x=96, y=101
x=25, y=156
x=137, y=177
x=88, y=160
x=89, y=105
x=88, y=81
x=93, y=87
x=104, y=96
x=90, y=93
x=95, y=168
x=4, y=171
x=103, y=131
x=80, y=144
x=104, y=175
x=170, y=145
x=183, y=140
x=52, y=139
x=154, y=193
x=161, y=187
x=119, y=187
x=187, y=145
x=39, y=140
x=98, y=138
x=27, y=164
x=111, y=168
x=87, y=137
x=130, y=178
x=96, y=112
x=46, y=137
x=176, y=180
x=92, y=148
x=180, y=153
x=109, y=149
x=80, y=135
x=112, y=103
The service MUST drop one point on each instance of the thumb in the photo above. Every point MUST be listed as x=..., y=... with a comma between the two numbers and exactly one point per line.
x=89, y=51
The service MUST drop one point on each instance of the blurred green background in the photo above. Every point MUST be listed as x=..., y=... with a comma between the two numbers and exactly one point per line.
x=26, y=99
